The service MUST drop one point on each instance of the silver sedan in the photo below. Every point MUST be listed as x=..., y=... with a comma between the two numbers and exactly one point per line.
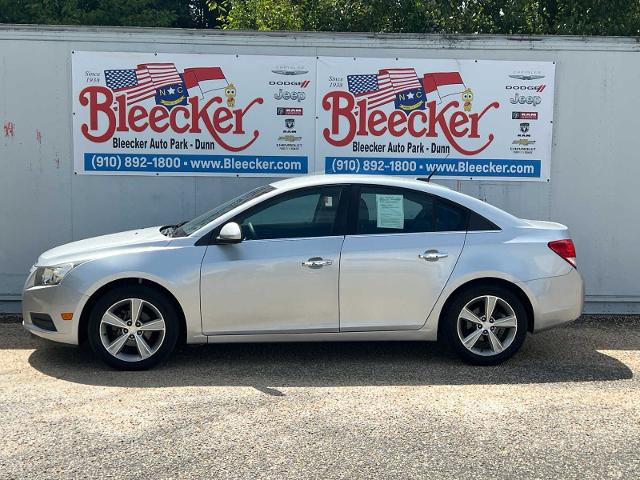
x=316, y=258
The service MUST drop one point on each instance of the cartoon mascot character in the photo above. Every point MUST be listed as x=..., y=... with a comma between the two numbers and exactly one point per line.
x=230, y=93
x=467, y=98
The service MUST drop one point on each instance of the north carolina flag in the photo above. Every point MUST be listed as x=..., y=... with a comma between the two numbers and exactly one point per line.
x=442, y=84
x=207, y=78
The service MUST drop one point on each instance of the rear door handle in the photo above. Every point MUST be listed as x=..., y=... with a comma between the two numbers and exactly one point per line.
x=433, y=255
x=317, y=262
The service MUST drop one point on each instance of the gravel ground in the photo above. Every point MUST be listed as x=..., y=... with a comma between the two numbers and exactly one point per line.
x=568, y=406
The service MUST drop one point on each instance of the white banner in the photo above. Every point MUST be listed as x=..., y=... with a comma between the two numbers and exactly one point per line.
x=462, y=118
x=179, y=114
x=202, y=114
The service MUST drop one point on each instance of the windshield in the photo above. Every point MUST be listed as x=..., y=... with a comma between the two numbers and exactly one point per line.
x=197, y=223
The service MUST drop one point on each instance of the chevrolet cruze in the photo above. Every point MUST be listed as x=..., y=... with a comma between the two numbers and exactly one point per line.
x=315, y=258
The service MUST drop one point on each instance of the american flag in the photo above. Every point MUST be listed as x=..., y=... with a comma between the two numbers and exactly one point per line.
x=141, y=83
x=382, y=87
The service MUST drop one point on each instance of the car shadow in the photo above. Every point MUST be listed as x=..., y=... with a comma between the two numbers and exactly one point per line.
x=569, y=354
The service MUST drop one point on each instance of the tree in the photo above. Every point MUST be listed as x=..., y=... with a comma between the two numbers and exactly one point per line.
x=559, y=17
x=563, y=17
x=143, y=13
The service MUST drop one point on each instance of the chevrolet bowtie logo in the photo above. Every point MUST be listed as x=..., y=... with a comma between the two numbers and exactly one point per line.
x=524, y=141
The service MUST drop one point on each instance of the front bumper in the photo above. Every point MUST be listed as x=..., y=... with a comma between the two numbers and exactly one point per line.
x=556, y=300
x=53, y=301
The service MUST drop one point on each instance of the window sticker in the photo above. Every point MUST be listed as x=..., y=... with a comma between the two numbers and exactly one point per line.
x=390, y=211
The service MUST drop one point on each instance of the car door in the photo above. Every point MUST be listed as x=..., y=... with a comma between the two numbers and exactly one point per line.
x=283, y=276
x=399, y=252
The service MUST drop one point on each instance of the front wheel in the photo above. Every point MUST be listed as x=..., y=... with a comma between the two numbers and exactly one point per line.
x=486, y=325
x=133, y=328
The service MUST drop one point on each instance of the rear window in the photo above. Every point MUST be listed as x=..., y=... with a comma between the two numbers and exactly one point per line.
x=479, y=223
x=450, y=217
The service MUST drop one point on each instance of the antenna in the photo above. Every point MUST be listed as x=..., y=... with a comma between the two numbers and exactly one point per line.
x=435, y=169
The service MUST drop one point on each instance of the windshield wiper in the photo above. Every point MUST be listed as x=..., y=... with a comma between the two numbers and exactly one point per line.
x=170, y=230
x=177, y=230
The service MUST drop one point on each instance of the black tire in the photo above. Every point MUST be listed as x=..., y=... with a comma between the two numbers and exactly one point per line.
x=153, y=297
x=449, y=326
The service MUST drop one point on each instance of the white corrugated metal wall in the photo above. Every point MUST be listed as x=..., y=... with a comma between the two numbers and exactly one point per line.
x=595, y=172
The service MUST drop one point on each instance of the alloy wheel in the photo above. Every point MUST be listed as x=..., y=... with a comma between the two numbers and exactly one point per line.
x=132, y=329
x=487, y=325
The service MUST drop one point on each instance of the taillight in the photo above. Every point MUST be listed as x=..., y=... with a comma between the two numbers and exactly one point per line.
x=565, y=249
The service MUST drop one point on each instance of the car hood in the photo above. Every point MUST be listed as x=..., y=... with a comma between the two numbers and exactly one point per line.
x=101, y=246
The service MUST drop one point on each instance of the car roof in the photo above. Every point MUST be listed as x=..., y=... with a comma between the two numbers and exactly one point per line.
x=312, y=180
x=496, y=215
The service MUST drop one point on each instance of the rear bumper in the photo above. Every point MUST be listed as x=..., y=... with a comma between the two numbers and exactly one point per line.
x=556, y=300
x=53, y=301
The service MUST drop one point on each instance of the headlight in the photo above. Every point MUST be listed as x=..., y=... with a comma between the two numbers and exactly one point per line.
x=52, y=275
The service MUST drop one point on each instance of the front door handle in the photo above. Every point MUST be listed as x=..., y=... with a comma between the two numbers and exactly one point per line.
x=433, y=255
x=317, y=262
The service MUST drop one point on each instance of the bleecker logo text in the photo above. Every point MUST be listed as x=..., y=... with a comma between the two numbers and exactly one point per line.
x=453, y=124
x=109, y=114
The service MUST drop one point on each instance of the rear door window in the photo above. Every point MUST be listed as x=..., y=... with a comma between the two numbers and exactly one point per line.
x=383, y=210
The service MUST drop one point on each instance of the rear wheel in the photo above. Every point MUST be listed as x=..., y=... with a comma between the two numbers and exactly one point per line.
x=133, y=328
x=486, y=325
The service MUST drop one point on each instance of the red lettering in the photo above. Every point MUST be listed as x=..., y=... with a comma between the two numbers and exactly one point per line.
x=419, y=123
x=90, y=96
x=362, y=118
x=475, y=118
x=136, y=114
x=376, y=118
x=457, y=120
x=105, y=117
x=173, y=121
x=239, y=116
x=331, y=102
x=411, y=123
x=157, y=115
x=396, y=119
x=440, y=120
x=121, y=100
x=201, y=114
x=220, y=116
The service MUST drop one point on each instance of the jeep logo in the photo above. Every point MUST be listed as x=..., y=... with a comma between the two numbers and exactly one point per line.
x=287, y=95
x=525, y=99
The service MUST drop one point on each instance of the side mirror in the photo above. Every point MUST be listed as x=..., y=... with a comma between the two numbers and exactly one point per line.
x=230, y=233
